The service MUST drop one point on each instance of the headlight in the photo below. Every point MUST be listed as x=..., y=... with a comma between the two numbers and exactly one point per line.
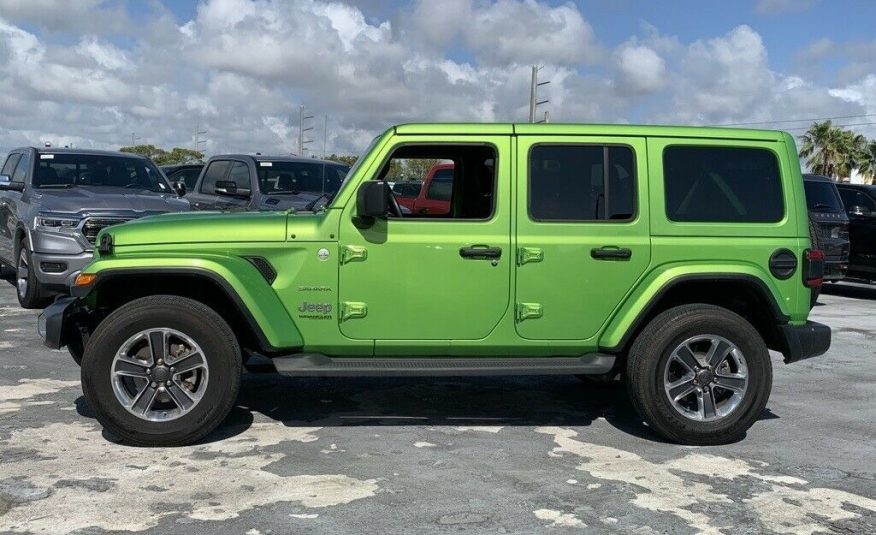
x=55, y=222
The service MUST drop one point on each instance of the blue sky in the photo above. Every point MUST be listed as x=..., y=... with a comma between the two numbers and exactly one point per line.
x=93, y=71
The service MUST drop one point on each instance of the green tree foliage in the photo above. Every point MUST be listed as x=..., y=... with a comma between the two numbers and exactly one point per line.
x=867, y=162
x=834, y=151
x=162, y=157
x=345, y=159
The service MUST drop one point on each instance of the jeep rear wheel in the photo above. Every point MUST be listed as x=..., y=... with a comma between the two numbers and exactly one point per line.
x=699, y=375
x=162, y=371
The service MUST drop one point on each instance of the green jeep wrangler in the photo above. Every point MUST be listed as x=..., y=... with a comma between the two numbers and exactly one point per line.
x=674, y=256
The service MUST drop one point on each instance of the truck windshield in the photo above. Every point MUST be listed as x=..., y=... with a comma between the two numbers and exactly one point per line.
x=822, y=197
x=278, y=178
x=98, y=170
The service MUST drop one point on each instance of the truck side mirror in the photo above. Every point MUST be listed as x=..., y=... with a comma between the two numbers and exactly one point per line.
x=180, y=188
x=372, y=199
x=860, y=211
x=6, y=184
x=229, y=189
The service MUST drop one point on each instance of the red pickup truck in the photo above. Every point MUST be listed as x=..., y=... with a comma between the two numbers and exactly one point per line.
x=434, y=197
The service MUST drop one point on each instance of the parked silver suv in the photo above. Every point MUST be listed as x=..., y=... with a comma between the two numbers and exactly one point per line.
x=53, y=202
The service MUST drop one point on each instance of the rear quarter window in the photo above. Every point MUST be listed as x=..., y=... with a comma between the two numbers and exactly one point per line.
x=722, y=184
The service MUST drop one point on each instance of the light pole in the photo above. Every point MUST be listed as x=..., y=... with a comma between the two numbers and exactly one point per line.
x=301, y=130
x=533, y=94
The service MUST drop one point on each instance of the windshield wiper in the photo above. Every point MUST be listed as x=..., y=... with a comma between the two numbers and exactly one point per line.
x=822, y=205
x=55, y=186
x=327, y=196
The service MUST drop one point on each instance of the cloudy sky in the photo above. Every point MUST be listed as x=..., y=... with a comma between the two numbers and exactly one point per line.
x=94, y=72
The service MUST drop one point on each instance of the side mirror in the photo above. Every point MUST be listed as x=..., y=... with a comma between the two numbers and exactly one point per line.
x=860, y=211
x=6, y=184
x=229, y=189
x=372, y=199
x=180, y=188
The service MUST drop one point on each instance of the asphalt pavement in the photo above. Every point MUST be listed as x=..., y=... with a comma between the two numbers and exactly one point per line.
x=445, y=455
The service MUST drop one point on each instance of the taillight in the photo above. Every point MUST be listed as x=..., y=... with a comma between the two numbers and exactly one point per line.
x=813, y=268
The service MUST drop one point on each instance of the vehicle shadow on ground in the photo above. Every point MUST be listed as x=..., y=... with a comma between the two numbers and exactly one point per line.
x=854, y=291
x=423, y=401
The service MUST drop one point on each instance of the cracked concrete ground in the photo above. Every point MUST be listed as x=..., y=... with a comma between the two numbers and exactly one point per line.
x=447, y=455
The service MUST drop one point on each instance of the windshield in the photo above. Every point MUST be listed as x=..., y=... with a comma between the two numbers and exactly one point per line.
x=822, y=197
x=98, y=170
x=277, y=178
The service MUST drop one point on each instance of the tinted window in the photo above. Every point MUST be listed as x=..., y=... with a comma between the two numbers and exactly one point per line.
x=97, y=171
x=857, y=198
x=239, y=175
x=188, y=176
x=719, y=184
x=581, y=183
x=215, y=171
x=290, y=177
x=440, y=188
x=408, y=189
x=334, y=177
x=822, y=197
x=22, y=168
x=9, y=166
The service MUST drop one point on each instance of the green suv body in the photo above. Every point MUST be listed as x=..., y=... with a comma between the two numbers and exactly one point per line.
x=673, y=256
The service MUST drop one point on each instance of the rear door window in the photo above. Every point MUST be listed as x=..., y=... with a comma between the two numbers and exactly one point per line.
x=722, y=184
x=581, y=183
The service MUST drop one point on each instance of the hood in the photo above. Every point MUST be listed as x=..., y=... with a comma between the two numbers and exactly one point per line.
x=85, y=199
x=285, y=201
x=202, y=227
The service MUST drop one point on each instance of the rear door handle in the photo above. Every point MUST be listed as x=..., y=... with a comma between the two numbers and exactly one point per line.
x=611, y=253
x=480, y=252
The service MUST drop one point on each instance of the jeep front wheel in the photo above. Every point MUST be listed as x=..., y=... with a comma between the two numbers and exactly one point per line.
x=699, y=375
x=162, y=371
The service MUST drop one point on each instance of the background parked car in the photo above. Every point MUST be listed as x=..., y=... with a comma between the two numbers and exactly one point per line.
x=186, y=173
x=832, y=224
x=246, y=182
x=435, y=192
x=407, y=189
x=860, y=204
x=53, y=202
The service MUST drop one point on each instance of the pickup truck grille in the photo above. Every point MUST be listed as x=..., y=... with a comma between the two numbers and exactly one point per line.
x=93, y=225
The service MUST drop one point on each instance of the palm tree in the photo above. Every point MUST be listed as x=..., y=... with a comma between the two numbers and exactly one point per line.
x=851, y=151
x=867, y=162
x=822, y=148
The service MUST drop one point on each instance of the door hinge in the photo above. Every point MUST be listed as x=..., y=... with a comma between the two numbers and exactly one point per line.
x=353, y=253
x=526, y=255
x=528, y=311
x=353, y=310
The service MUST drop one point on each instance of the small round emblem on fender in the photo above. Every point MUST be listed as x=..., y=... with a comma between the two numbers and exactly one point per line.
x=323, y=254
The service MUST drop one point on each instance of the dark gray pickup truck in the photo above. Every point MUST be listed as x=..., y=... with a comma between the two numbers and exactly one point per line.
x=53, y=202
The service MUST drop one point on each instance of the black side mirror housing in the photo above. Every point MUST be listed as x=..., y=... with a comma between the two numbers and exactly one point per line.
x=372, y=199
x=229, y=188
x=860, y=211
x=180, y=188
x=6, y=184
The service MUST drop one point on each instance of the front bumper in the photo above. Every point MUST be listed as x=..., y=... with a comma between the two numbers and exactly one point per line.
x=59, y=270
x=56, y=324
x=804, y=341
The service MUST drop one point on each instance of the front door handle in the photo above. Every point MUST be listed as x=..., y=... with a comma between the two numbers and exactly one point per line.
x=611, y=253
x=480, y=252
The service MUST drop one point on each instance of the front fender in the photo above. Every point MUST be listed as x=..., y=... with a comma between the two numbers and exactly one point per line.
x=244, y=285
x=659, y=281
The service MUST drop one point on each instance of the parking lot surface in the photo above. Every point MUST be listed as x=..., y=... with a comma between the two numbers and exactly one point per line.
x=445, y=455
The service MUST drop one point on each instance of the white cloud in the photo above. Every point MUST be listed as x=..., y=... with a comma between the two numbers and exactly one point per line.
x=241, y=68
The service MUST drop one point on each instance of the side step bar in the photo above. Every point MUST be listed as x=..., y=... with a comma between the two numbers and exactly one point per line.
x=317, y=365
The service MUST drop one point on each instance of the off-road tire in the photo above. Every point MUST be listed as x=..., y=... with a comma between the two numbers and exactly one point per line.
x=32, y=297
x=651, y=350
x=196, y=320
